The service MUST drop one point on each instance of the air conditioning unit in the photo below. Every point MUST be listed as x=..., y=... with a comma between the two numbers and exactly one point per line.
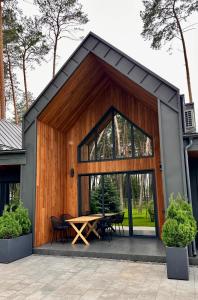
x=189, y=118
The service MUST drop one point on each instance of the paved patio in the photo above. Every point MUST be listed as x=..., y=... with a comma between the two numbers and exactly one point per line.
x=50, y=277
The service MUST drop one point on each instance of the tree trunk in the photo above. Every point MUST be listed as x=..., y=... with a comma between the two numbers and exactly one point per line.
x=54, y=57
x=120, y=183
x=185, y=56
x=2, y=88
x=25, y=84
x=143, y=177
x=12, y=87
x=98, y=141
x=142, y=180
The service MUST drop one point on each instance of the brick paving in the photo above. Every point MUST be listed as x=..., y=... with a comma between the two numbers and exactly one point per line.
x=49, y=277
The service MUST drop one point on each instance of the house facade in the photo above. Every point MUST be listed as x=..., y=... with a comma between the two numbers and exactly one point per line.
x=103, y=118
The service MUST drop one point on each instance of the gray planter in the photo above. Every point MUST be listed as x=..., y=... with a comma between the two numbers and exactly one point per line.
x=177, y=263
x=13, y=249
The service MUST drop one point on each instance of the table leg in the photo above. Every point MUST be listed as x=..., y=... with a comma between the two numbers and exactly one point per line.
x=79, y=233
x=92, y=228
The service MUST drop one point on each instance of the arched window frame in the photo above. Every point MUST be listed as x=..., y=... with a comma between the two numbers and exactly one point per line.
x=93, y=133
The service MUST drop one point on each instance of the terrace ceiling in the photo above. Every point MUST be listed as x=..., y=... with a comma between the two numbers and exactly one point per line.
x=87, y=82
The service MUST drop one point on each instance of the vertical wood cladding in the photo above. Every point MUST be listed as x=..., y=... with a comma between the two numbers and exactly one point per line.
x=50, y=181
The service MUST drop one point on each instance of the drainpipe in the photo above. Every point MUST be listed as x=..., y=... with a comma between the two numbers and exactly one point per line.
x=194, y=252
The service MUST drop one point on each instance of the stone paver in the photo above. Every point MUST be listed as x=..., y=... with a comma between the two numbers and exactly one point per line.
x=54, y=278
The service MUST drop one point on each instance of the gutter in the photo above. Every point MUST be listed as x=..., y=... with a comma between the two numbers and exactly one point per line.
x=194, y=252
x=12, y=151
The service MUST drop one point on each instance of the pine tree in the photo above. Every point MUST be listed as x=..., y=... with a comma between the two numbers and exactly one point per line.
x=63, y=19
x=162, y=22
x=110, y=194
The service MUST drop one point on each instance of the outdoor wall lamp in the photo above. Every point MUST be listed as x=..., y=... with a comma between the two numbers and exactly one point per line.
x=72, y=172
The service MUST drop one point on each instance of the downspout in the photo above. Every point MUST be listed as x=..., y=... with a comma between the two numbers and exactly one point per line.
x=194, y=252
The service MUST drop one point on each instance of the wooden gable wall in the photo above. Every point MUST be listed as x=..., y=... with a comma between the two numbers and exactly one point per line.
x=57, y=191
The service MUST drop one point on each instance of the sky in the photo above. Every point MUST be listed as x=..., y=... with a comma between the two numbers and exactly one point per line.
x=119, y=23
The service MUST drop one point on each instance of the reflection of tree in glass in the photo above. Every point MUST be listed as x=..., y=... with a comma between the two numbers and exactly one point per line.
x=114, y=138
x=122, y=136
x=142, y=191
x=105, y=143
x=142, y=143
x=111, y=197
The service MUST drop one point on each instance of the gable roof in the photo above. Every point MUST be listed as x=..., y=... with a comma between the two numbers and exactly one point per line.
x=10, y=136
x=121, y=62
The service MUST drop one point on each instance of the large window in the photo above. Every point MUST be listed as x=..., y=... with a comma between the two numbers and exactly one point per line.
x=131, y=194
x=115, y=137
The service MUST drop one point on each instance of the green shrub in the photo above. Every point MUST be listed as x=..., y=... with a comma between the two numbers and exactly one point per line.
x=14, y=222
x=179, y=229
x=151, y=210
x=12, y=206
x=9, y=226
x=21, y=215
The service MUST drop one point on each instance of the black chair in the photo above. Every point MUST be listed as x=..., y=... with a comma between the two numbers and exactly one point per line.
x=64, y=218
x=105, y=228
x=58, y=227
x=117, y=220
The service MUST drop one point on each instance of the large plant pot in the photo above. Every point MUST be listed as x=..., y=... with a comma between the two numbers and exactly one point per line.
x=177, y=263
x=13, y=249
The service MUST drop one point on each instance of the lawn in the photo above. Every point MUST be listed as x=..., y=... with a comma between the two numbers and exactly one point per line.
x=142, y=219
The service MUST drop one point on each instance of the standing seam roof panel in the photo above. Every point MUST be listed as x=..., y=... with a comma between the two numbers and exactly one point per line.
x=10, y=135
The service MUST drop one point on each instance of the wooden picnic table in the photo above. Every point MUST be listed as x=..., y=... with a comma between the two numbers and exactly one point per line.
x=105, y=214
x=85, y=221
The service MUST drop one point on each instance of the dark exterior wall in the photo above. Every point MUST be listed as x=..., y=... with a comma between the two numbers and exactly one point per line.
x=172, y=151
x=28, y=178
x=193, y=167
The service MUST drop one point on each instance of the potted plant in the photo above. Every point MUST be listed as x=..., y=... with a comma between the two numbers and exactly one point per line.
x=15, y=233
x=179, y=230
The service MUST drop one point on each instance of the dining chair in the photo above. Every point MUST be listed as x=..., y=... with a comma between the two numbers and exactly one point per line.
x=58, y=227
x=118, y=220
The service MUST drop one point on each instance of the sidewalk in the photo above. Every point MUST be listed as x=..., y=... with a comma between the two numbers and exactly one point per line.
x=49, y=277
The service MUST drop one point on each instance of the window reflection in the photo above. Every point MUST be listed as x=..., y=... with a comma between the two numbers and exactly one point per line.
x=115, y=137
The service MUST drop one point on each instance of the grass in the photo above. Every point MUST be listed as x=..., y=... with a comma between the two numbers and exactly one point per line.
x=142, y=219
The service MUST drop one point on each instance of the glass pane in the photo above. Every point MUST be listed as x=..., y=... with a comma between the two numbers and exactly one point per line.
x=105, y=143
x=96, y=196
x=142, y=204
x=111, y=194
x=123, y=146
x=120, y=187
x=142, y=143
x=129, y=141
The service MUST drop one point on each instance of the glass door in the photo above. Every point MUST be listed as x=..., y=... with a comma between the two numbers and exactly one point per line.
x=131, y=194
x=142, y=204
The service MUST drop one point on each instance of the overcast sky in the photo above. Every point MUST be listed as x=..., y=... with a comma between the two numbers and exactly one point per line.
x=119, y=23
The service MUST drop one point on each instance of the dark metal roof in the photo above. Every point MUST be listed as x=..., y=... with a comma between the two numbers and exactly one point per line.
x=10, y=136
x=124, y=64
